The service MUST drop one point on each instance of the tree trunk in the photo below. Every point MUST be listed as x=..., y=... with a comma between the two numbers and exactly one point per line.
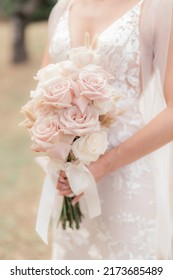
x=20, y=19
x=18, y=39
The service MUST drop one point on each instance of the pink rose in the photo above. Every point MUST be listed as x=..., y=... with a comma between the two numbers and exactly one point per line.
x=44, y=110
x=73, y=121
x=47, y=137
x=61, y=149
x=45, y=132
x=57, y=93
x=94, y=86
x=29, y=111
x=81, y=102
x=78, y=100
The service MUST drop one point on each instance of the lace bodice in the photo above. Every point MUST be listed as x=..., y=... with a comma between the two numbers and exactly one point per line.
x=125, y=230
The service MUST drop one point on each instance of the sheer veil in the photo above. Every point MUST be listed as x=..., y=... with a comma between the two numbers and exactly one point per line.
x=156, y=39
x=156, y=31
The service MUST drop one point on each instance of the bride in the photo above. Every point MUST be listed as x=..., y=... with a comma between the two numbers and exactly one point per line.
x=134, y=39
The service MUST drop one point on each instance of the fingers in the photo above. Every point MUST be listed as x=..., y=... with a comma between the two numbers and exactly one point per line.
x=62, y=183
x=64, y=187
x=65, y=192
x=63, y=175
x=76, y=199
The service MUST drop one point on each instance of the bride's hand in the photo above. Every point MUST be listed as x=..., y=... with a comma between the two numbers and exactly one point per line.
x=63, y=184
x=98, y=169
x=64, y=187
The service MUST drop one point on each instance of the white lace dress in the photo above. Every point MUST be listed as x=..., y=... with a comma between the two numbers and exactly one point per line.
x=126, y=227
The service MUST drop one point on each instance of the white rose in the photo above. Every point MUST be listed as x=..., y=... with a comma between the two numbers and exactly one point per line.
x=29, y=111
x=109, y=105
x=104, y=107
x=68, y=69
x=59, y=70
x=83, y=56
x=47, y=73
x=90, y=147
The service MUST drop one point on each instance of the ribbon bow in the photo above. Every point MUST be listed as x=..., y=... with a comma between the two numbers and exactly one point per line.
x=81, y=181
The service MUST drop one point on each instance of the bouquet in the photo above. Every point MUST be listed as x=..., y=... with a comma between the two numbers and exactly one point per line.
x=67, y=118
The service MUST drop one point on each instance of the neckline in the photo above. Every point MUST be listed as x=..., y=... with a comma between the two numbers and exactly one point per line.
x=101, y=33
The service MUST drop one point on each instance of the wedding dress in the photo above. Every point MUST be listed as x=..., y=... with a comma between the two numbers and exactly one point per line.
x=126, y=228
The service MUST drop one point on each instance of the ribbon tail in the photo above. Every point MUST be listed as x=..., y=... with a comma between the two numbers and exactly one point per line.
x=46, y=206
x=92, y=198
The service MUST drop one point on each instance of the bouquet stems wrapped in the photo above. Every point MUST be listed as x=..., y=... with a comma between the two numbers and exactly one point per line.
x=71, y=214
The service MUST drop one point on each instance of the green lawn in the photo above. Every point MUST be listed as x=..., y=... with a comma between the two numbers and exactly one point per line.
x=20, y=177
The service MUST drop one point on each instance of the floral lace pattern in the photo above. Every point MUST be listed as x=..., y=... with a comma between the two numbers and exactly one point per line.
x=126, y=228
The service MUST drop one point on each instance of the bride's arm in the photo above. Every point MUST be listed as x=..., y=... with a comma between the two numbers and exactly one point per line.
x=151, y=137
x=46, y=58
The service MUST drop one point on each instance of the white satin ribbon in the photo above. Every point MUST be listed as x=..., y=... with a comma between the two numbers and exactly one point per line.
x=80, y=180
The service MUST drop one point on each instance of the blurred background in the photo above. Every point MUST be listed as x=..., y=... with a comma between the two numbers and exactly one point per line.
x=23, y=33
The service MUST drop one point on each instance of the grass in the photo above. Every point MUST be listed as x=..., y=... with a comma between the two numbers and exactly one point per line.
x=20, y=178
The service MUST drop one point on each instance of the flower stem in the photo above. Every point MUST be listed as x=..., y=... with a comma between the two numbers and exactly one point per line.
x=71, y=214
x=69, y=211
